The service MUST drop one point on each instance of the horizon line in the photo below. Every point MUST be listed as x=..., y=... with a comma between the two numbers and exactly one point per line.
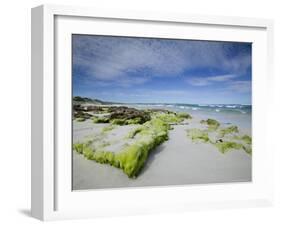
x=120, y=102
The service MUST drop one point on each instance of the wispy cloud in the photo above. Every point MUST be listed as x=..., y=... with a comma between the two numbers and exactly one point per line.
x=229, y=84
x=204, y=81
x=240, y=86
x=131, y=61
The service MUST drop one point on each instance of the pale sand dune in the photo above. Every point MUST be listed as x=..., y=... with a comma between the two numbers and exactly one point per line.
x=177, y=161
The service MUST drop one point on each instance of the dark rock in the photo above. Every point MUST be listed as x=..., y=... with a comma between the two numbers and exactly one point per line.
x=121, y=114
x=126, y=113
x=219, y=141
x=81, y=114
x=92, y=108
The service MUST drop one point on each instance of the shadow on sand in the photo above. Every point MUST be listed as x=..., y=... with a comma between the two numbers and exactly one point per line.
x=151, y=158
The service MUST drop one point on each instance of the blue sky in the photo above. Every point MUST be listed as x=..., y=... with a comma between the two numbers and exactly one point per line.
x=146, y=70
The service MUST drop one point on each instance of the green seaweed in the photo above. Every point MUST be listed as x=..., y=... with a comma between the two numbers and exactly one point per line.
x=222, y=145
x=225, y=146
x=247, y=139
x=88, y=152
x=119, y=122
x=170, y=118
x=198, y=134
x=247, y=142
x=92, y=154
x=184, y=115
x=133, y=157
x=122, y=122
x=134, y=132
x=80, y=119
x=78, y=147
x=81, y=115
x=229, y=130
x=103, y=157
x=212, y=123
x=247, y=149
x=108, y=128
x=136, y=120
x=100, y=120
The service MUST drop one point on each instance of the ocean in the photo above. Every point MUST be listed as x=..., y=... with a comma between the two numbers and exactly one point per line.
x=237, y=114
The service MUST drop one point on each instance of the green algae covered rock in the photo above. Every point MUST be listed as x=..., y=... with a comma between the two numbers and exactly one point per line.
x=225, y=146
x=247, y=139
x=108, y=128
x=229, y=130
x=184, y=115
x=212, y=123
x=172, y=118
x=100, y=119
x=80, y=119
x=133, y=157
x=224, y=139
x=198, y=135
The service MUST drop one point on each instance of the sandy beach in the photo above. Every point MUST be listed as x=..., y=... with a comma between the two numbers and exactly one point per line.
x=177, y=161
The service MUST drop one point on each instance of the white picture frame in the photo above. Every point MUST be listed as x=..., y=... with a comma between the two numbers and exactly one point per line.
x=52, y=198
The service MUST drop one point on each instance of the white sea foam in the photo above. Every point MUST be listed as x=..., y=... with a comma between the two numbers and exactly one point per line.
x=203, y=105
x=231, y=106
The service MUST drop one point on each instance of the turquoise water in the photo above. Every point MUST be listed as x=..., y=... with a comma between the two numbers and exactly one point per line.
x=240, y=115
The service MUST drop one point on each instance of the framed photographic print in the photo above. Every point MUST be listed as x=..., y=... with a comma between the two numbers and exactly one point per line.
x=139, y=112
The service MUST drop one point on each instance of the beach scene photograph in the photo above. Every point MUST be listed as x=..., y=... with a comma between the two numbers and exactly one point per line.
x=159, y=112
